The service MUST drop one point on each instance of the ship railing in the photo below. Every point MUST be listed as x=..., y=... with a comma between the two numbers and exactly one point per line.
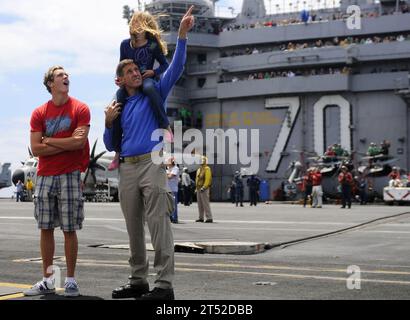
x=278, y=25
x=179, y=92
x=202, y=93
x=202, y=68
x=290, y=21
x=402, y=82
x=305, y=58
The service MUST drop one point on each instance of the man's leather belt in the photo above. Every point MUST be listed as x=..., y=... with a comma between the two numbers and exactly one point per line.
x=136, y=159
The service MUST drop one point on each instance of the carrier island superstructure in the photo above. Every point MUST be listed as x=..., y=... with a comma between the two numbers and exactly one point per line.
x=303, y=84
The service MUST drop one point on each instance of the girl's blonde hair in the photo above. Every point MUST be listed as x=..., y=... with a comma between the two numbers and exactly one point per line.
x=144, y=21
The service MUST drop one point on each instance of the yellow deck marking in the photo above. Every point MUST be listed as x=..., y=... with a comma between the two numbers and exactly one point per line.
x=122, y=263
x=185, y=267
x=12, y=296
x=18, y=286
x=15, y=285
x=296, y=276
x=319, y=269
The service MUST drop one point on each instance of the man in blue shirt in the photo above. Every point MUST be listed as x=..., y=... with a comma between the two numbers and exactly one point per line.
x=144, y=191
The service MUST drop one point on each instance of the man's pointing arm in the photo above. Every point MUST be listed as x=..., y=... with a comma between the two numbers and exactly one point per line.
x=176, y=67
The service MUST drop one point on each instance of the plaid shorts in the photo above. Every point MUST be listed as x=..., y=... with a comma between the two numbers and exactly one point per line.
x=58, y=202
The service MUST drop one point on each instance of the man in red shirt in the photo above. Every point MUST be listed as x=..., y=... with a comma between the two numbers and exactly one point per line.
x=394, y=174
x=59, y=137
x=329, y=155
x=346, y=179
x=394, y=177
x=307, y=185
x=317, y=192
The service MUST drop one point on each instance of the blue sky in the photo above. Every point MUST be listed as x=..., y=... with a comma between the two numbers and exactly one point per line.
x=81, y=35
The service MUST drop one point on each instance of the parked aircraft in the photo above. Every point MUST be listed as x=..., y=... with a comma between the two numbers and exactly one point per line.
x=99, y=183
x=5, y=175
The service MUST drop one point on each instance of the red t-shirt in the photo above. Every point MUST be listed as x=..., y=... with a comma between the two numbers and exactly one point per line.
x=317, y=179
x=60, y=122
x=345, y=178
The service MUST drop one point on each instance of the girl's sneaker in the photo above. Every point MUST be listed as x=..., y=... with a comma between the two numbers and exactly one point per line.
x=115, y=162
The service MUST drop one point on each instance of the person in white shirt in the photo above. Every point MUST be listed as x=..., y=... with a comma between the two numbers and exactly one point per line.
x=173, y=179
x=400, y=38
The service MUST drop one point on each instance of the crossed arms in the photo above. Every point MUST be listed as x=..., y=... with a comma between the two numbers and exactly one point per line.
x=45, y=146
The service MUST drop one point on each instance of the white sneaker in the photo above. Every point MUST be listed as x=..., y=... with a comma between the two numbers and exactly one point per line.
x=71, y=289
x=40, y=288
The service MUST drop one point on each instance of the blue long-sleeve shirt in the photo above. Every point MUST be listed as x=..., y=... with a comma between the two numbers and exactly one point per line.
x=137, y=119
x=145, y=56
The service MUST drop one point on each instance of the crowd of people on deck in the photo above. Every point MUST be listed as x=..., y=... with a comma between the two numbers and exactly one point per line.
x=236, y=189
x=271, y=74
x=208, y=26
x=349, y=187
x=263, y=75
x=310, y=18
x=319, y=43
x=352, y=185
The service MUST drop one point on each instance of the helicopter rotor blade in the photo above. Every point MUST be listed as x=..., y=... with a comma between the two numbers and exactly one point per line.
x=99, y=155
x=93, y=150
x=86, y=176
x=93, y=176
x=99, y=166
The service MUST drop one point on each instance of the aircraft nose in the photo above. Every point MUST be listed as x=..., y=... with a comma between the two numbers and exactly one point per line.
x=18, y=175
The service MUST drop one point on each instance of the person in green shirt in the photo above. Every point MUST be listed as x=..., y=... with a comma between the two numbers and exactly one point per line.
x=373, y=150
